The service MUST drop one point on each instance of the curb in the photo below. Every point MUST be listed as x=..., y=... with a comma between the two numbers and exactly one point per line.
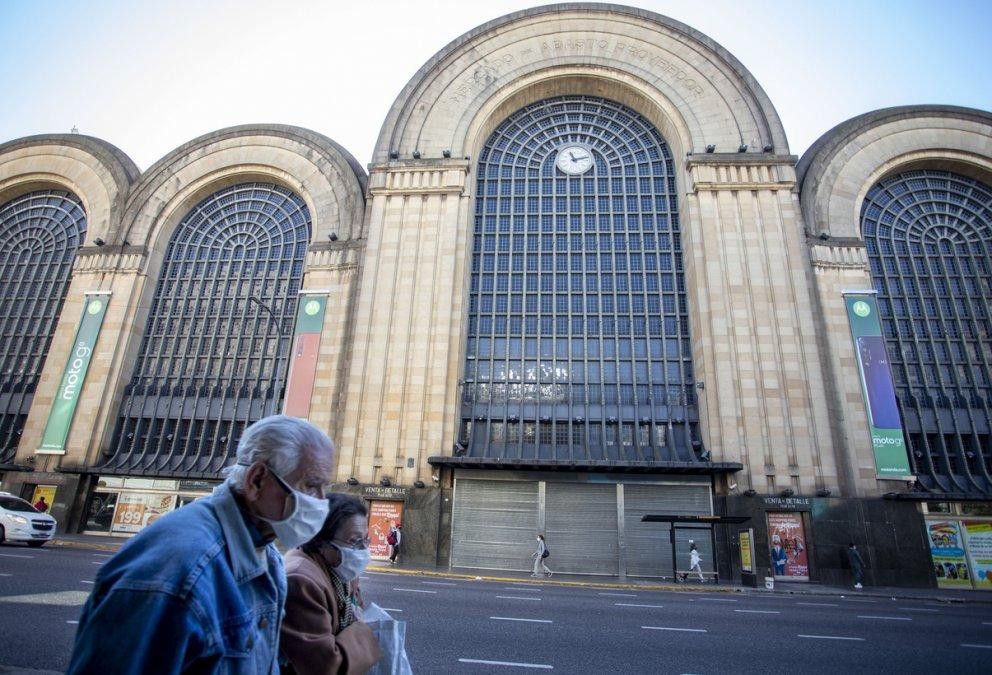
x=93, y=546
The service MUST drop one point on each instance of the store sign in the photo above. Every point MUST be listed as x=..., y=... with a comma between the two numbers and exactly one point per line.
x=67, y=396
x=383, y=515
x=884, y=424
x=137, y=510
x=745, y=539
x=978, y=534
x=789, y=502
x=380, y=492
x=787, y=539
x=306, y=348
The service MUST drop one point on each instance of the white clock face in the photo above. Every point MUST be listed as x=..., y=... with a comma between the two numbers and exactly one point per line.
x=574, y=159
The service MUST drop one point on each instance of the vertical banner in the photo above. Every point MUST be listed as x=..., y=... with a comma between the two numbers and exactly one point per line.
x=303, y=359
x=746, y=539
x=67, y=396
x=788, y=545
x=884, y=425
x=979, y=536
x=382, y=515
x=947, y=554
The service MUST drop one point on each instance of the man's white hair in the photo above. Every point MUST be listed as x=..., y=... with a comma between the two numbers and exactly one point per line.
x=281, y=442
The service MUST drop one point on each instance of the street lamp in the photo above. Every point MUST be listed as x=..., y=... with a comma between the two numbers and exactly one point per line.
x=275, y=322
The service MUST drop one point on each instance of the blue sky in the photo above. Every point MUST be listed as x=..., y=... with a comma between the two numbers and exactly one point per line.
x=150, y=76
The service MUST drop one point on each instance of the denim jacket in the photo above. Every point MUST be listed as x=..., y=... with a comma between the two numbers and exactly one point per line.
x=191, y=592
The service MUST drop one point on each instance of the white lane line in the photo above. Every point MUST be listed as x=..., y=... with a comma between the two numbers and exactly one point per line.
x=516, y=597
x=757, y=611
x=716, y=599
x=918, y=609
x=364, y=578
x=414, y=590
x=818, y=604
x=6, y=574
x=831, y=637
x=884, y=618
x=102, y=555
x=680, y=630
x=987, y=623
x=630, y=604
x=14, y=555
x=83, y=581
x=974, y=646
x=72, y=622
x=510, y=618
x=522, y=589
x=620, y=595
x=439, y=583
x=542, y=666
x=63, y=598
x=390, y=609
x=859, y=600
x=96, y=563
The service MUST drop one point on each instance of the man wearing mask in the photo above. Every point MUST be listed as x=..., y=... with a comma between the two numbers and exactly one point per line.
x=203, y=588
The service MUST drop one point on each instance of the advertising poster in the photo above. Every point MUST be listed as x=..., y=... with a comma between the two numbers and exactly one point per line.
x=46, y=491
x=747, y=551
x=884, y=424
x=787, y=540
x=303, y=358
x=947, y=554
x=382, y=514
x=137, y=510
x=979, y=536
x=64, y=405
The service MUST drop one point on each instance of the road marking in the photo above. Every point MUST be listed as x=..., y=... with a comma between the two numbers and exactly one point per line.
x=414, y=590
x=364, y=578
x=542, y=666
x=859, y=600
x=629, y=604
x=987, y=623
x=83, y=581
x=818, y=604
x=102, y=555
x=439, y=583
x=14, y=555
x=716, y=599
x=831, y=637
x=390, y=609
x=5, y=574
x=516, y=597
x=918, y=609
x=620, y=595
x=681, y=630
x=884, y=618
x=757, y=611
x=974, y=646
x=64, y=598
x=510, y=618
x=96, y=563
x=522, y=589
x=72, y=622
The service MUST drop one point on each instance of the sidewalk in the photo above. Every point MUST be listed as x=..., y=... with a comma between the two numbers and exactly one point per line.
x=103, y=543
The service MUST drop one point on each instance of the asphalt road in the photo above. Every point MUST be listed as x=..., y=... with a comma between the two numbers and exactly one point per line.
x=464, y=626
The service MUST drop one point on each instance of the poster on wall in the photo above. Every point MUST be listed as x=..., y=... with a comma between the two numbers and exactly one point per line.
x=46, y=491
x=747, y=551
x=382, y=515
x=884, y=423
x=137, y=510
x=978, y=534
x=787, y=539
x=947, y=554
x=303, y=359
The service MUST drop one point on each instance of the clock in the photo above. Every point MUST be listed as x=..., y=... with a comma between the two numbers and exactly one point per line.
x=574, y=159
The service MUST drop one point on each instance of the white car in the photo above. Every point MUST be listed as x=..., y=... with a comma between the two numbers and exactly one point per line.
x=19, y=521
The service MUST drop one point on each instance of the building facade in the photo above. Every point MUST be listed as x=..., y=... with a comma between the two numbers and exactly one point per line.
x=583, y=281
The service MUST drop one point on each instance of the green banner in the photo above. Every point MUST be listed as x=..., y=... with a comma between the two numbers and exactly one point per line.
x=884, y=423
x=64, y=407
x=303, y=360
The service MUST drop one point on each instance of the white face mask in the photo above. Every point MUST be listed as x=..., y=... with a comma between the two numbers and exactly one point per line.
x=308, y=516
x=353, y=562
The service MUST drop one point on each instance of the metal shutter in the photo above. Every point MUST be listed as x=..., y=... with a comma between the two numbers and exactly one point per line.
x=493, y=524
x=581, y=527
x=649, y=547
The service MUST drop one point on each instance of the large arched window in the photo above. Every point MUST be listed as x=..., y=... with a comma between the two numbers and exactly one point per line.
x=215, y=350
x=929, y=239
x=39, y=234
x=578, y=331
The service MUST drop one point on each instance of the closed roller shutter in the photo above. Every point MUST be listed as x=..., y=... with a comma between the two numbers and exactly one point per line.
x=649, y=546
x=494, y=524
x=581, y=527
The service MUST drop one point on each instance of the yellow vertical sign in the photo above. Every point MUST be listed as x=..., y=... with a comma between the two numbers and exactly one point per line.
x=747, y=551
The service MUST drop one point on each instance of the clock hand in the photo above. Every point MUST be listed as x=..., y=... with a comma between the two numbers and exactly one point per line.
x=572, y=156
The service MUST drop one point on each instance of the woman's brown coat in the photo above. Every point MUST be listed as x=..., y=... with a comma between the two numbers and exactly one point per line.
x=311, y=636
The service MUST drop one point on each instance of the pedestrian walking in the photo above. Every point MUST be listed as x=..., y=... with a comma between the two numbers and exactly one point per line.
x=694, y=560
x=540, y=555
x=202, y=589
x=395, y=540
x=857, y=563
x=41, y=505
x=323, y=632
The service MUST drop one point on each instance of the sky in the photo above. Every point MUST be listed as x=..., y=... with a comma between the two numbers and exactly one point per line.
x=150, y=76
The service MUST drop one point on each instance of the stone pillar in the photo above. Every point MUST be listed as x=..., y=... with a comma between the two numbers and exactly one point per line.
x=408, y=330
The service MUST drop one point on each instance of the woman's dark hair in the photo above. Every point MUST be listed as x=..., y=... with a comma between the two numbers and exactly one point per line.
x=341, y=507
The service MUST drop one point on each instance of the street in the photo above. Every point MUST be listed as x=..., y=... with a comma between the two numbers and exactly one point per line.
x=466, y=626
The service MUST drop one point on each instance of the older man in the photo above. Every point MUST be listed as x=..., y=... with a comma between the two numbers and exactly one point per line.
x=203, y=588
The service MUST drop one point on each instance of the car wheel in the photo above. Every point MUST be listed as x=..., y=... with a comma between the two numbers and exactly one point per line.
x=36, y=544
x=1, y=534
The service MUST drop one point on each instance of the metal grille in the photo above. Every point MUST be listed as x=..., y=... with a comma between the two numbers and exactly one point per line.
x=213, y=359
x=578, y=331
x=929, y=239
x=39, y=234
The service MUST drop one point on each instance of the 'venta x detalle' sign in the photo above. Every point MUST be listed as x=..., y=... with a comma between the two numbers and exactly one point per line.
x=884, y=423
x=67, y=396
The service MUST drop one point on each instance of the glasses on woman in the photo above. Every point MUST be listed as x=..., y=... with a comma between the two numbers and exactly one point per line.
x=357, y=543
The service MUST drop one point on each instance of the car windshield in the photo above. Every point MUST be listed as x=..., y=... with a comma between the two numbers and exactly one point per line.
x=16, y=504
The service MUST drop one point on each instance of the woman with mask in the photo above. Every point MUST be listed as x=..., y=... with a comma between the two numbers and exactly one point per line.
x=540, y=555
x=322, y=632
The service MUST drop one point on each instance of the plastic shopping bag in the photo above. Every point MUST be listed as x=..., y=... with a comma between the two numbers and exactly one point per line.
x=391, y=635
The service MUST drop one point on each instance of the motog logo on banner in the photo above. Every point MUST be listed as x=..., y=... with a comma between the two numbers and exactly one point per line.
x=67, y=396
x=884, y=423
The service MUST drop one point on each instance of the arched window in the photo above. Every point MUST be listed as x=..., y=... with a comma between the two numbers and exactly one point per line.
x=214, y=354
x=929, y=239
x=39, y=234
x=578, y=330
